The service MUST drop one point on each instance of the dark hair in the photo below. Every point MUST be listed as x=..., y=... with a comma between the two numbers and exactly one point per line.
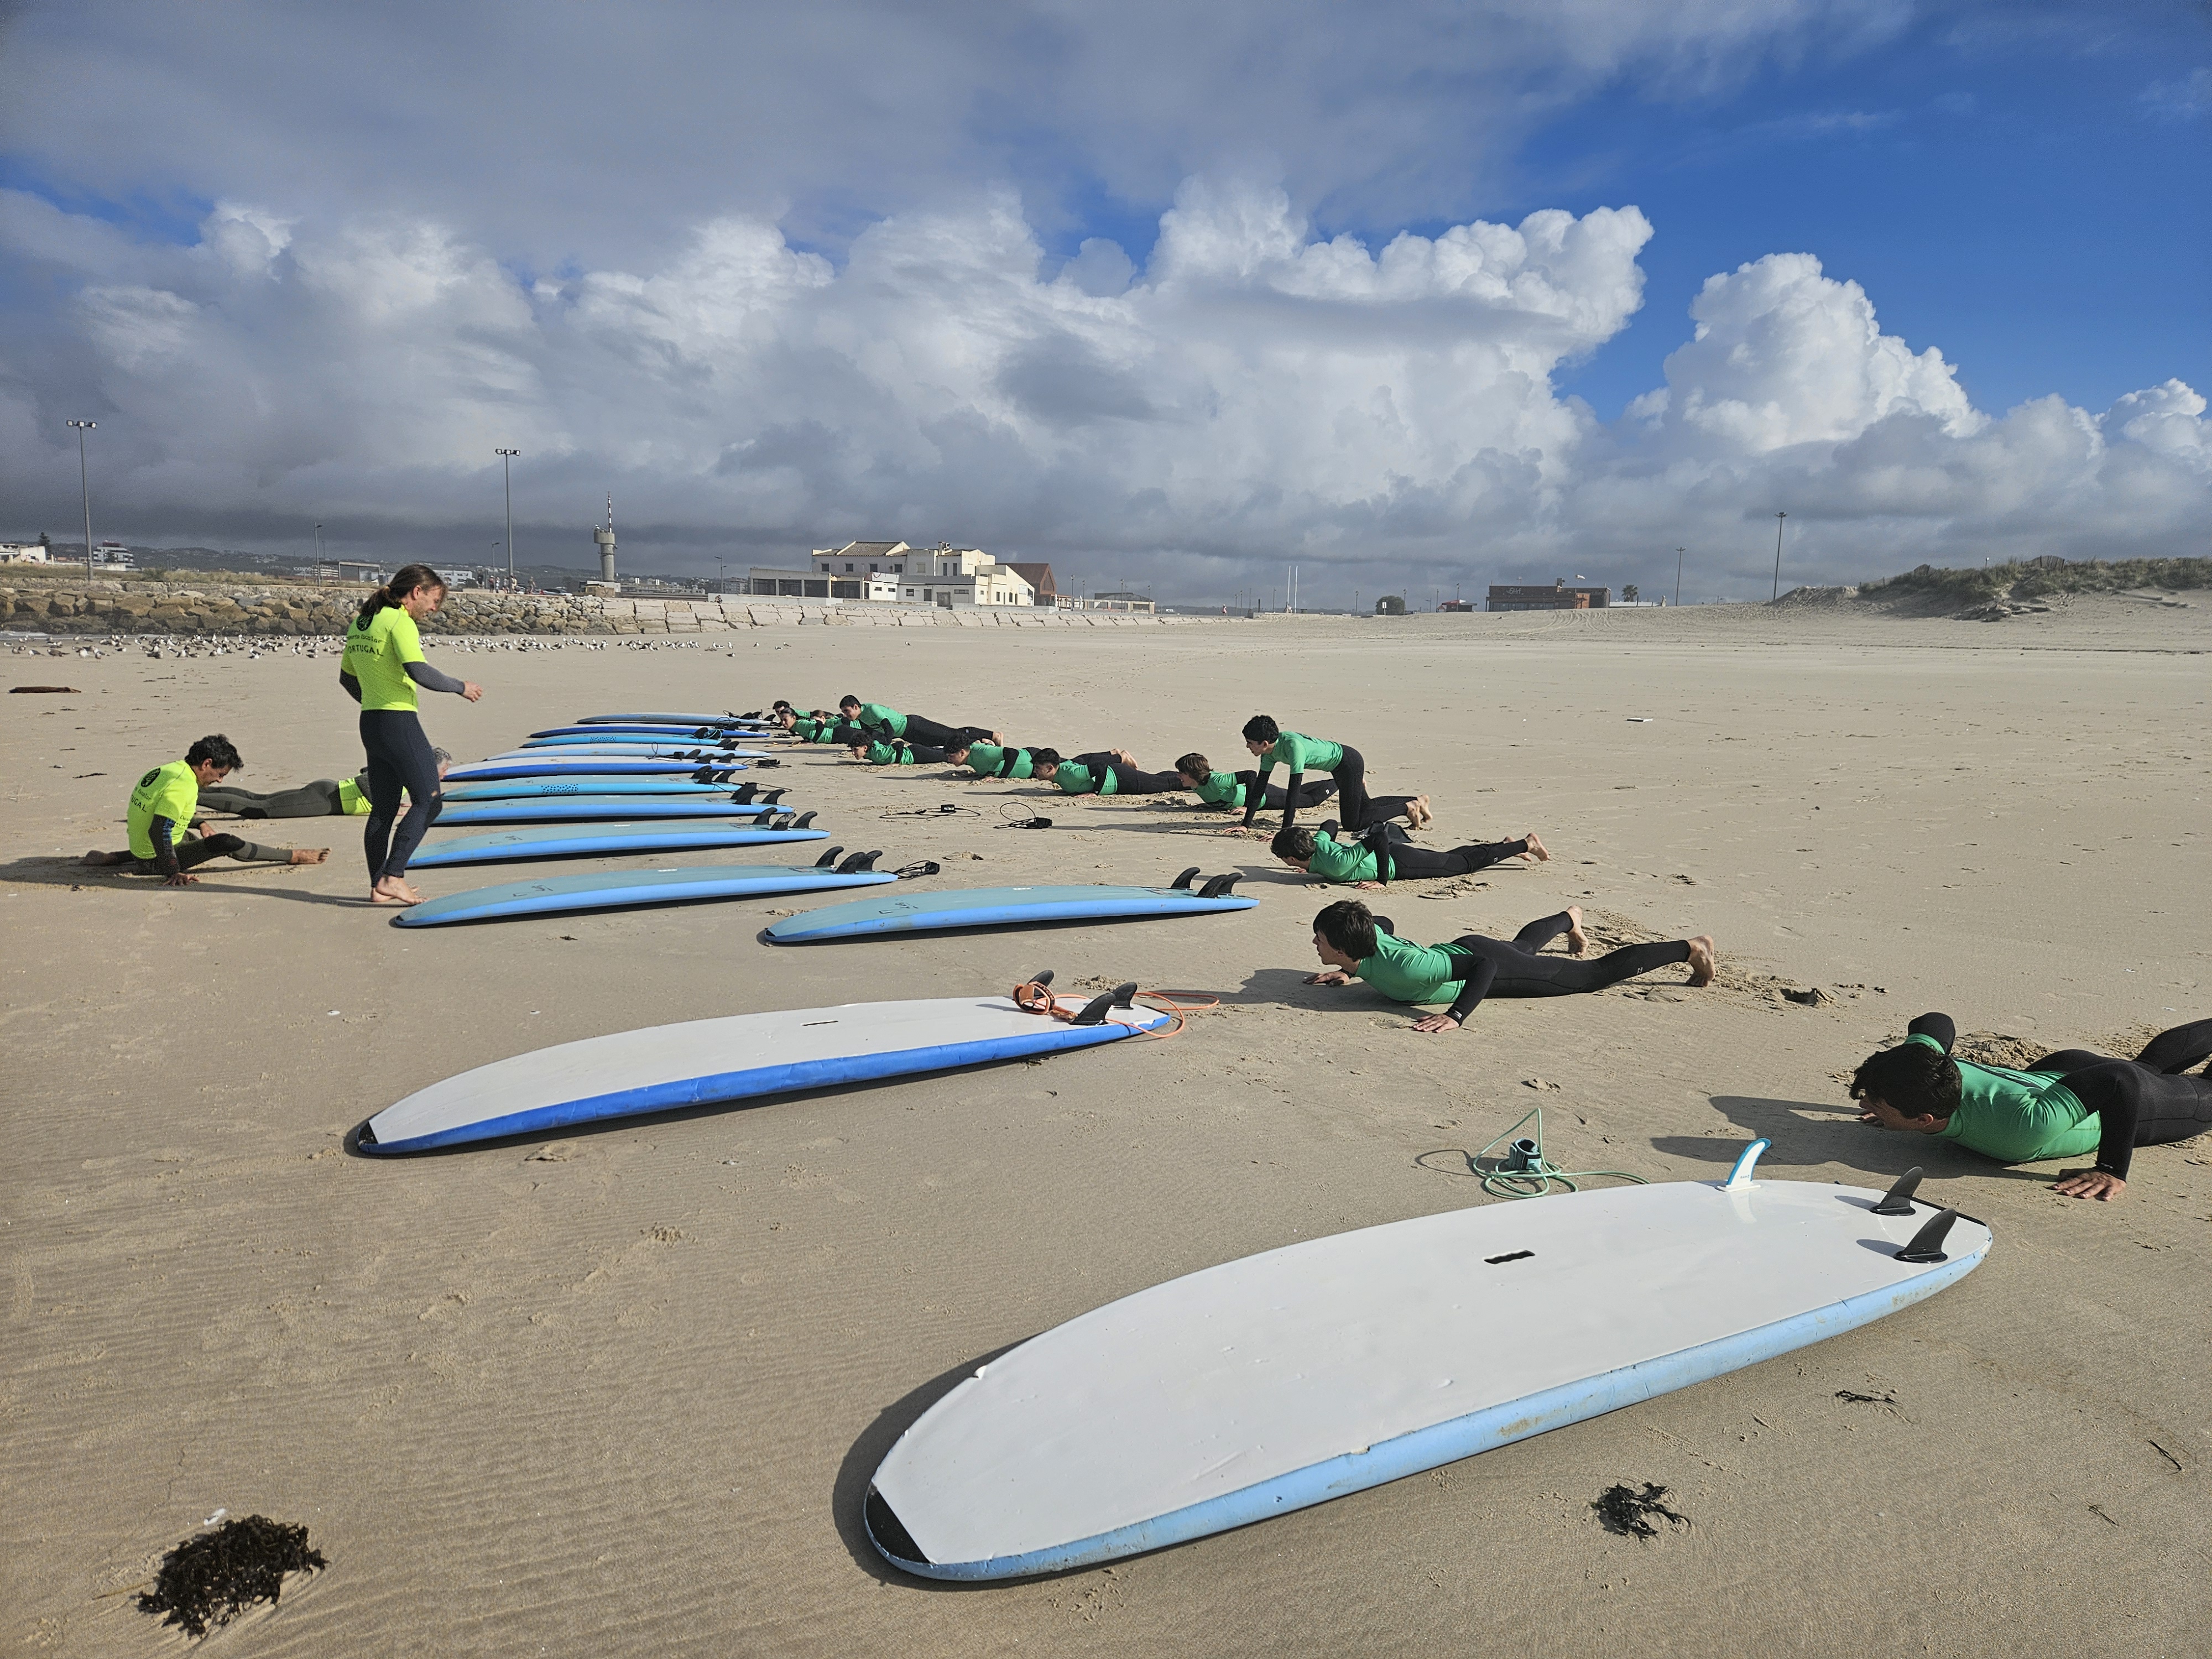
x=405, y=581
x=214, y=751
x=848, y=701
x=1261, y=728
x=1195, y=765
x=1294, y=842
x=959, y=746
x=1350, y=926
x=782, y=706
x=1043, y=757
x=1915, y=1078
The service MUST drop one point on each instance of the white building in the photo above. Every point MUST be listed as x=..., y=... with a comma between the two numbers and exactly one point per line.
x=894, y=572
x=22, y=553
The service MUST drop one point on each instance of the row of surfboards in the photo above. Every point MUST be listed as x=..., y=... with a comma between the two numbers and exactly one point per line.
x=1261, y=1386
x=656, y=805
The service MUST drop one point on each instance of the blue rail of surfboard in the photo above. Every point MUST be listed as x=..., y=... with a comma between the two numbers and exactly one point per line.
x=579, y=843
x=583, y=809
x=486, y=904
x=791, y=1079
x=993, y=915
x=1462, y=1436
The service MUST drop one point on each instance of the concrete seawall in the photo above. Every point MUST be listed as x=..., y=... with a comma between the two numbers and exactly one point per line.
x=237, y=607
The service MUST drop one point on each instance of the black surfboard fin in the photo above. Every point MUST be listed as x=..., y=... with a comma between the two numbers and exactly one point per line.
x=1183, y=880
x=803, y=820
x=1899, y=1199
x=747, y=793
x=1927, y=1244
x=1044, y=978
x=1125, y=994
x=858, y=862
x=829, y=857
x=1219, y=886
x=778, y=821
x=1094, y=1011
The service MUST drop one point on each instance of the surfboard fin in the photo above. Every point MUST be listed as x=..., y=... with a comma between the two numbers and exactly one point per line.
x=1219, y=886
x=1899, y=1199
x=1927, y=1244
x=804, y=820
x=1181, y=883
x=858, y=862
x=829, y=857
x=1746, y=1160
x=1094, y=1011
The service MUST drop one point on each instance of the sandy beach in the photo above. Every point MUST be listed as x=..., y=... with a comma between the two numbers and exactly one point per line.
x=620, y=1392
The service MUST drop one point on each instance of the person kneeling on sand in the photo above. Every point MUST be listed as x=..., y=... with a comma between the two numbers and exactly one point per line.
x=1383, y=856
x=160, y=817
x=324, y=798
x=1354, y=943
x=2063, y=1105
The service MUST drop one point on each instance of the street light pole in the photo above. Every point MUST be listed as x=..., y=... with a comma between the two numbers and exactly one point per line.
x=1678, y=577
x=1777, y=594
x=506, y=461
x=319, y=549
x=84, y=482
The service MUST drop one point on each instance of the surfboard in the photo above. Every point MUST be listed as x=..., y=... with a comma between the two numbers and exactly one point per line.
x=581, y=764
x=1005, y=906
x=620, y=742
x=584, y=783
x=593, y=840
x=609, y=890
x=741, y=1057
x=702, y=733
x=578, y=809
x=663, y=720
x=706, y=754
x=1286, y=1379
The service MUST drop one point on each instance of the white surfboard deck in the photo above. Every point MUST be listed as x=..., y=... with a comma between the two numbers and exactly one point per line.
x=1286, y=1379
x=664, y=1068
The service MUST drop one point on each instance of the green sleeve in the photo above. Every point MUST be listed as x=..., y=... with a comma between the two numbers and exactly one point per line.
x=1221, y=789
x=1073, y=779
x=875, y=713
x=1333, y=861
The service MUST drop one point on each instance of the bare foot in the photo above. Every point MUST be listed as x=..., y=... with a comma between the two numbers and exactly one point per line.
x=1417, y=813
x=1537, y=850
x=392, y=890
x=310, y=854
x=1701, y=960
x=1577, y=941
x=100, y=861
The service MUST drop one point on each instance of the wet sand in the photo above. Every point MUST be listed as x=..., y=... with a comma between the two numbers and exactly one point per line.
x=620, y=1391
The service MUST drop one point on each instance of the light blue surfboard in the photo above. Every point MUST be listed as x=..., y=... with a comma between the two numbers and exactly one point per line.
x=608, y=743
x=1005, y=906
x=581, y=764
x=585, y=783
x=660, y=720
x=592, y=840
x=578, y=809
x=698, y=733
x=742, y=1057
x=609, y=890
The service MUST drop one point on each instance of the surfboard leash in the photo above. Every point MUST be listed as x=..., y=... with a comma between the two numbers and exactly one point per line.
x=1523, y=1171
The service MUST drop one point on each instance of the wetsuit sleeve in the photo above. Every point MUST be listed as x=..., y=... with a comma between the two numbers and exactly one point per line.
x=1377, y=840
x=1480, y=973
x=1256, y=793
x=162, y=833
x=1937, y=1026
x=2116, y=1125
x=431, y=680
x=352, y=685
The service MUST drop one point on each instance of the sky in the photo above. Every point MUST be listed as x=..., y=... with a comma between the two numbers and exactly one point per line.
x=1411, y=297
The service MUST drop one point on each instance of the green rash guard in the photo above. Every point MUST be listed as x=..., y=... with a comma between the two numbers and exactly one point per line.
x=377, y=655
x=1221, y=789
x=808, y=731
x=353, y=795
x=877, y=718
x=168, y=792
x=1405, y=972
x=1333, y=860
x=1077, y=781
x=880, y=753
x=2017, y=1117
x=988, y=760
x=1301, y=754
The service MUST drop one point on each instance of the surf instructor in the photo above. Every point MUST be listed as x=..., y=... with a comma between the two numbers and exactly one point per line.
x=381, y=669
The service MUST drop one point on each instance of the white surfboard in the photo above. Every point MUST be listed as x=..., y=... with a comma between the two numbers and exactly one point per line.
x=739, y=1058
x=1286, y=1379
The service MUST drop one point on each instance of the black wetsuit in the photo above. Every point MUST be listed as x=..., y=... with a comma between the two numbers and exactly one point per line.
x=318, y=799
x=1127, y=779
x=1498, y=968
x=174, y=854
x=2143, y=1102
x=1393, y=858
x=400, y=762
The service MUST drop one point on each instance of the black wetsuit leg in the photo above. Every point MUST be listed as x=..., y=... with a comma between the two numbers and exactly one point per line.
x=1381, y=809
x=919, y=729
x=2180, y=1050
x=399, y=758
x=1128, y=781
x=2136, y=1107
x=1415, y=862
x=318, y=799
x=197, y=850
x=1312, y=792
x=1516, y=970
x=1351, y=790
x=924, y=754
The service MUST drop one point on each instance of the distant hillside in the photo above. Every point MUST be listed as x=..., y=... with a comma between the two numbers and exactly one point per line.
x=2039, y=579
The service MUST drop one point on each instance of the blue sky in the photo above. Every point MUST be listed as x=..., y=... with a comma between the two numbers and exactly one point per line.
x=778, y=277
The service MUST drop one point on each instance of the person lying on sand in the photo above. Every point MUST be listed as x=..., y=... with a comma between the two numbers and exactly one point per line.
x=1354, y=943
x=1227, y=790
x=991, y=760
x=880, y=722
x=898, y=752
x=821, y=726
x=2063, y=1105
x=160, y=818
x=324, y=798
x=1383, y=856
x=1098, y=774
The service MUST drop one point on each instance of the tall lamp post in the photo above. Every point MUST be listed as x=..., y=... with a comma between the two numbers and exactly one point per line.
x=1678, y=578
x=84, y=482
x=506, y=462
x=319, y=549
x=1777, y=594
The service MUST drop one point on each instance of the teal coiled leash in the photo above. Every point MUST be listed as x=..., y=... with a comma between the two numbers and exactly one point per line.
x=1523, y=1171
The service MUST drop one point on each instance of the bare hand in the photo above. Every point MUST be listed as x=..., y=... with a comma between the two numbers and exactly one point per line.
x=1435, y=1022
x=1235, y=829
x=1368, y=886
x=180, y=879
x=1334, y=976
x=2092, y=1183
x=471, y=690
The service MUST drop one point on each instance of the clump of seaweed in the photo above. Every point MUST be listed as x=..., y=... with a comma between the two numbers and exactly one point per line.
x=212, y=1578
x=1628, y=1511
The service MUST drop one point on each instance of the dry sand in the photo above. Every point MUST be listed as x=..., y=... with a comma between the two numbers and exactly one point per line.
x=621, y=1393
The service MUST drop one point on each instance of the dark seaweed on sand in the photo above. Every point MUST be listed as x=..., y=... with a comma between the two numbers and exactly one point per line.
x=212, y=1578
x=1628, y=1512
